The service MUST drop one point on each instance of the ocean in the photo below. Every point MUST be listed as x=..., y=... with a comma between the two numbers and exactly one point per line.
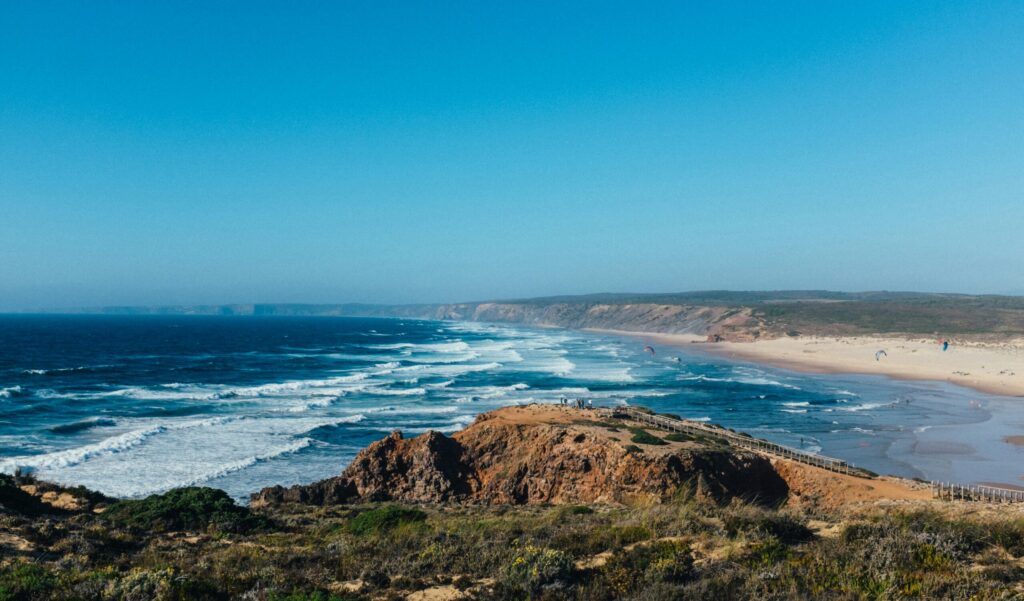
x=134, y=405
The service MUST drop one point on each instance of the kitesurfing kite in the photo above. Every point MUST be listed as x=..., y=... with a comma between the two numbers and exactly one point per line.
x=649, y=349
x=880, y=354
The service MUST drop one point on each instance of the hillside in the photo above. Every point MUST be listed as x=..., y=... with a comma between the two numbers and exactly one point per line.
x=538, y=455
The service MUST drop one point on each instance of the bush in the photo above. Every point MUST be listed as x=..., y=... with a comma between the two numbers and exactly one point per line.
x=384, y=519
x=658, y=562
x=641, y=436
x=782, y=526
x=25, y=581
x=193, y=508
x=533, y=567
x=679, y=437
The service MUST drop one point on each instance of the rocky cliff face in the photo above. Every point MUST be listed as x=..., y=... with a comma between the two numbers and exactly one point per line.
x=729, y=323
x=514, y=461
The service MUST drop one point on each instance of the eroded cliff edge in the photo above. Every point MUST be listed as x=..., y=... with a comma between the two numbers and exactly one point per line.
x=539, y=454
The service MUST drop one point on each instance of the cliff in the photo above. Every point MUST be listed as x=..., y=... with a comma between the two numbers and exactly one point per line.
x=539, y=455
x=725, y=315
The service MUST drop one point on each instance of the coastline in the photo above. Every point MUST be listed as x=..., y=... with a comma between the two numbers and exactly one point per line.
x=986, y=367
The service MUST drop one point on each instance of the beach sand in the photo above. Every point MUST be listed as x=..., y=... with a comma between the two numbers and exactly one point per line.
x=988, y=367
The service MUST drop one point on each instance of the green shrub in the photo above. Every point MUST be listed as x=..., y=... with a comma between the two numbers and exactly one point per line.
x=679, y=437
x=384, y=519
x=25, y=581
x=783, y=526
x=193, y=508
x=566, y=510
x=650, y=564
x=632, y=448
x=641, y=436
x=534, y=567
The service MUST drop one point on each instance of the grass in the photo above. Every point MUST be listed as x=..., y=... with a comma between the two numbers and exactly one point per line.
x=383, y=519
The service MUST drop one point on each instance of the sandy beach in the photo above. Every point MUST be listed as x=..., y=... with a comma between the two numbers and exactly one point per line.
x=995, y=368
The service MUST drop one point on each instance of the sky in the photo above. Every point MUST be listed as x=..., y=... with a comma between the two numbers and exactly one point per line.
x=222, y=152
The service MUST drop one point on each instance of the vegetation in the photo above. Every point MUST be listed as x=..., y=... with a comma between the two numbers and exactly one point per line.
x=383, y=519
x=185, y=545
x=193, y=508
x=641, y=436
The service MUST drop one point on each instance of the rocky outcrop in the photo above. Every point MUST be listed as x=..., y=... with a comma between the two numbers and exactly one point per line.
x=501, y=461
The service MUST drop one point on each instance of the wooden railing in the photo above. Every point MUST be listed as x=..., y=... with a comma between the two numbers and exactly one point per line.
x=740, y=440
x=976, y=492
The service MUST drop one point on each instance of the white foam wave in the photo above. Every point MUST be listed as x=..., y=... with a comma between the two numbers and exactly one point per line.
x=6, y=393
x=69, y=457
x=793, y=410
x=246, y=462
x=797, y=404
x=413, y=410
x=439, y=385
x=396, y=391
x=864, y=407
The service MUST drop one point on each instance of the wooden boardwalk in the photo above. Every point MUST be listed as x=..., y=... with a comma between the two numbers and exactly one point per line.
x=942, y=490
x=976, y=492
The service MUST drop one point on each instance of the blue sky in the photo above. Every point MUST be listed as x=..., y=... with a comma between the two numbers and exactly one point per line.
x=199, y=152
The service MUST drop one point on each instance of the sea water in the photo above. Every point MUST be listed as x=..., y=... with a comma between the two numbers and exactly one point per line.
x=133, y=405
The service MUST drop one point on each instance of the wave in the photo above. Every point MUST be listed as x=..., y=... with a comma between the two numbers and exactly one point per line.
x=797, y=404
x=758, y=381
x=396, y=391
x=10, y=391
x=247, y=462
x=80, y=426
x=864, y=407
x=75, y=456
x=58, y=370
x=391, y=410
x=753, y=381
x=793, y=410
x=450, y=370
x=457, y=346
x=439, y=385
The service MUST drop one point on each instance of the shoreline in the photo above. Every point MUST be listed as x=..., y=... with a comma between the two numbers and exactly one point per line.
x=989, y=368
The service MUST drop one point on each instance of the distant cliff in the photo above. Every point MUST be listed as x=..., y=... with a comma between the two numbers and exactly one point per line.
x=737, y=316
